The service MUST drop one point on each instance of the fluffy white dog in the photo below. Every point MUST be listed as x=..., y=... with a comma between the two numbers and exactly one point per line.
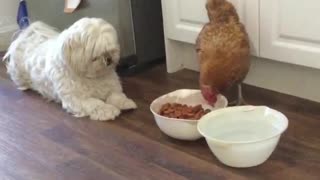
x=75, y=67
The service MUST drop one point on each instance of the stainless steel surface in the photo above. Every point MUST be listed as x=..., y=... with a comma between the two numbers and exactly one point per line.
x=148, y=28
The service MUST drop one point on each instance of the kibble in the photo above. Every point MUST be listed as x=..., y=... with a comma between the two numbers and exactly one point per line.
x=182, y=111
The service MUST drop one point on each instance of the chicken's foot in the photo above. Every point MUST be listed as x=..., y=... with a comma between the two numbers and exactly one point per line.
x=240, y=100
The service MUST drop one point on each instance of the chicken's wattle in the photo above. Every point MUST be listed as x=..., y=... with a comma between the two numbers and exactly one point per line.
x=209, y=94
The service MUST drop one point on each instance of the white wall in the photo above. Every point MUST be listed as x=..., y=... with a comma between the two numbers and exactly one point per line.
x=8, y=12
x=281, y=77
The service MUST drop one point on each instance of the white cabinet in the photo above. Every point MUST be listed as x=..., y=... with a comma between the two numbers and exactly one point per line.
x=185, y=19
x=290, y=31
x=281, y=30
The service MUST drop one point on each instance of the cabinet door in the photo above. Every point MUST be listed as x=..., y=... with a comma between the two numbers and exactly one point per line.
x=184, y=19
x=290, y=31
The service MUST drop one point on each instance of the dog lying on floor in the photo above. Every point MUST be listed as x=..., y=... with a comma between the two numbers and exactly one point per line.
x=75, y=67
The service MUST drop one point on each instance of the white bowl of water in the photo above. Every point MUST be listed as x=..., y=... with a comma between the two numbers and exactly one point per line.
x=243, y=136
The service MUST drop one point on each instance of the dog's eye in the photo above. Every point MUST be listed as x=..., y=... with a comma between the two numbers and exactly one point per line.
x=94, y=59
x=109, y=60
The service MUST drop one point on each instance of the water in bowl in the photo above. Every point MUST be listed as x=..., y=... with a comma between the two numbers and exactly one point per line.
x=242, y=130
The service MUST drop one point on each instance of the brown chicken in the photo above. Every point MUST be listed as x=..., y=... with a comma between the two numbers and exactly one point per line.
x=223, y=50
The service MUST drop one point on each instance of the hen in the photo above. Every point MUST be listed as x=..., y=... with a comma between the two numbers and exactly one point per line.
x=223, y=50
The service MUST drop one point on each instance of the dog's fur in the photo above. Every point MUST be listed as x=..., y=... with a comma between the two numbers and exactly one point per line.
x=75, y=67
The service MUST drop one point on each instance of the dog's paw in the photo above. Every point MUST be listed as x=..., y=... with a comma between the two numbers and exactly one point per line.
x=128, y=104
x=121, y=101
x=105, y=113
x=22, y=88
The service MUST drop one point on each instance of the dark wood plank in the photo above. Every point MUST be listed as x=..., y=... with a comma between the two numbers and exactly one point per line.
x=137, y=148
x=16, y=163
x=101, y=150
x=28, y=142
x=38, y=140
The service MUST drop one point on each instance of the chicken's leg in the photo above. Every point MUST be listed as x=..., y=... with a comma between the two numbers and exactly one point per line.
x=239, y=101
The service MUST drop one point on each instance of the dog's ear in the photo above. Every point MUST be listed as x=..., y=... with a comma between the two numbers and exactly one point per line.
x=71, y=50
x=115, y=54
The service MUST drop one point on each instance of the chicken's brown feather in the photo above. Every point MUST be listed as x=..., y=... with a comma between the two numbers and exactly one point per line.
x=222, y=47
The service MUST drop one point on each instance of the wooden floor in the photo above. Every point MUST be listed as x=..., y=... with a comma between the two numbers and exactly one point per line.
x=39, y=141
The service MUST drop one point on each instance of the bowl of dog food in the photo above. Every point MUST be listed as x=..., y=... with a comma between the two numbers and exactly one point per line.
x=243, y=136
x=177, y=113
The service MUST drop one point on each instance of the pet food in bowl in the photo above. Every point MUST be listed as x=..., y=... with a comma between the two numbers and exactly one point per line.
x=183, y=111
x=182, y=128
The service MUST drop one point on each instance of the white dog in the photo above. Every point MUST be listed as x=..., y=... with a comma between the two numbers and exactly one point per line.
x=75, y=67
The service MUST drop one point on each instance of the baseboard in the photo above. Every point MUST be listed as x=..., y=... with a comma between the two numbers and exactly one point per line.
x=139, y=67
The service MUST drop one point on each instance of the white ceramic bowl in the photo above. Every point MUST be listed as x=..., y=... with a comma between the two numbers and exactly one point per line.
x=182, y=129
x=243, y=136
